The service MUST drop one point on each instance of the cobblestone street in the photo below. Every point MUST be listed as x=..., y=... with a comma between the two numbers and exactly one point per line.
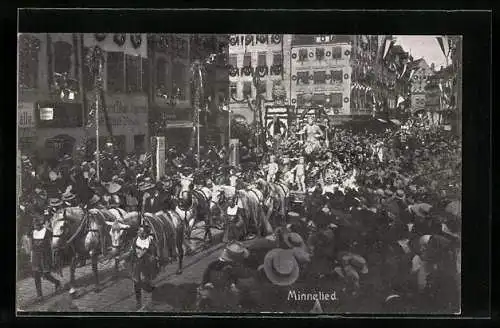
x=175, y=292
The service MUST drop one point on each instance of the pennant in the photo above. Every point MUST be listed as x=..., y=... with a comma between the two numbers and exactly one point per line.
x=444, y=45
x=388, y=45
x=400, y=100
x=403, y=72
x=411, y=74
x=441, y=87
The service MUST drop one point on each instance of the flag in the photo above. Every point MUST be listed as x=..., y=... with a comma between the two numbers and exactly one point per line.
x=403, y=72
x=411, y=73
x=400, y=100
x=388, y=45
x=444, y=45
x=441, y=87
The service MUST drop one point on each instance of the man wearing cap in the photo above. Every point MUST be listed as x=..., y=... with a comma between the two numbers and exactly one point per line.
x=40, y=239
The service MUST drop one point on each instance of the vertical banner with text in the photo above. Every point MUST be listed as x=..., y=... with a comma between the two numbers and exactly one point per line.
x=234, y=152
x=158, y=145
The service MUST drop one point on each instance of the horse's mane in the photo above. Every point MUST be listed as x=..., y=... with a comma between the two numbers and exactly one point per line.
x=74, y=214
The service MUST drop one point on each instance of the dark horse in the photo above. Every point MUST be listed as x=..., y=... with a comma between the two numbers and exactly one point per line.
x=81, y=232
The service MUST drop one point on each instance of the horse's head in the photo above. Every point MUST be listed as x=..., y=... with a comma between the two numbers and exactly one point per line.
x=186, y=184
x=61, y=227
x=116, y=233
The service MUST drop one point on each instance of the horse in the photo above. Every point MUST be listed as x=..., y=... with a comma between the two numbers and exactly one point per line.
x=168, y=231
x=251, y=200
x=84, y=233
x=276, y=198
x=194, y=205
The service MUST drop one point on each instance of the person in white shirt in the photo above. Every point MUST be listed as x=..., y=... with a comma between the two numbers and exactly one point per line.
x=272, y=169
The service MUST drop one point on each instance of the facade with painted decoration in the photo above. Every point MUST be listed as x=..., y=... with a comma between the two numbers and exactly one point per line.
x=321, y=74
x=266, y=56
x=48, y=58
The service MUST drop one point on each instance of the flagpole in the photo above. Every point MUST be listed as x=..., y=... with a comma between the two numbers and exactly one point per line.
x=97, y=153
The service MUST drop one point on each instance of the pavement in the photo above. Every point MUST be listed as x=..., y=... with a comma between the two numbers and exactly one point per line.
x=173, y=292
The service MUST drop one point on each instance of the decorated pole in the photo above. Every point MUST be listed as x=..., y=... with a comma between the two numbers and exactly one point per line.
x=97, y=151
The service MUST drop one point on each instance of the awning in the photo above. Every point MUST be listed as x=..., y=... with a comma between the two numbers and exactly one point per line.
x=181, y=125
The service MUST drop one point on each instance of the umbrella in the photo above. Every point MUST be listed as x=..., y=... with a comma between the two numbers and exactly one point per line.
x=454, y=208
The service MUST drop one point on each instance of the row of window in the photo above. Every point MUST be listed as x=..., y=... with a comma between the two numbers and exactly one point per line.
x=261, y=59
x=178, y=80
x=247, y=88
x=320, y=54
x=125, y=73
x=319, y=77
x=333, y=99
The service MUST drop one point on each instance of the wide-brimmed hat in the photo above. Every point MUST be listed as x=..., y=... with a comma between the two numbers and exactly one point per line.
x=400, y=194
x=234, y=252
x=293, y=240
x=145, y=186
x=68, y=196
x=281, y=267
x=54, y=202
x=421, y=209
x=53, y=176
x=67, y=157
x=388, y=193
x=113, y=187
x=95, y=198
x=357, y=261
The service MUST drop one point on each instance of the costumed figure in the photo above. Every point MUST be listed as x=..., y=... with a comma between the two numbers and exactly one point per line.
x=40, y=239
x=144, y=259
x=300, y=174
x=313, y=134
x=272, y=169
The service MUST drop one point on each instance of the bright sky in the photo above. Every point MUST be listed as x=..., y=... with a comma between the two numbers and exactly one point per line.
x=423, y=46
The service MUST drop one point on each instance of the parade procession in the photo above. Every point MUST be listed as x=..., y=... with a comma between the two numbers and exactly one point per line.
x=239, y=173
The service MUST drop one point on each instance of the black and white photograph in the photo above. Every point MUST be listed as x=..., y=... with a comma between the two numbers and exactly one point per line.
x=239, y=173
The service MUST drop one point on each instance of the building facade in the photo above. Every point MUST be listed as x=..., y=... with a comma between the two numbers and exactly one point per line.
x=171, y=103
x=45, y=113
x=320, y=72
x=419, y=78
x=266, y=56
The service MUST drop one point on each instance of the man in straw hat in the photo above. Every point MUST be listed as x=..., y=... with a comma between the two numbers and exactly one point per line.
x=40, y=239
x=281, y=267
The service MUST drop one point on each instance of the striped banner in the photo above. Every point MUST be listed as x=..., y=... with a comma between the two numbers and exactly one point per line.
x=444, y=45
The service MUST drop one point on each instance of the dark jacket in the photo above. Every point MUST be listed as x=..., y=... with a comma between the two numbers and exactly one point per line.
x=41, y=257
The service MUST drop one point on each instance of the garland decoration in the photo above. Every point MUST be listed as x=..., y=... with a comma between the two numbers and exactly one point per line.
x=136, y=40
x=276, y=38
x=100, y=36
x=262, y=71
x=119, y=39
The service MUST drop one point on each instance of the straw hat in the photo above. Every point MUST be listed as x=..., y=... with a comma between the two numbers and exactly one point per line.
x=293, y=240
x=54, y=202
x=113, y=187
x=234, y=252
x=95, y=198
x=145, y=186
x=355, y=260
x=281, y=267
x=68, y=196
